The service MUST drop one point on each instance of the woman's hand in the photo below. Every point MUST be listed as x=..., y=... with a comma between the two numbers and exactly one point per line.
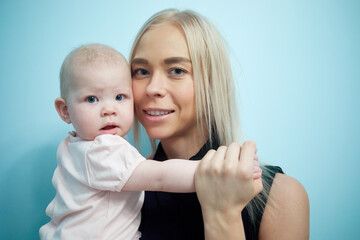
x=226, y=180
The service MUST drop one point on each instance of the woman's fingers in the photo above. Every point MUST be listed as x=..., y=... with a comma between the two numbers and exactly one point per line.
x=206, y=160
x=246, y=164
x=249, y=172
x=217, y=160
x=231, y=176
x=228, y=179
x=231, y=158
x=226, y=159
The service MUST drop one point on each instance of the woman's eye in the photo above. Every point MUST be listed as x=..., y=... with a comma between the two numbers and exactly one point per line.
x=140, y=72
x=92, y=99
x=119, y=97
x=177, y=71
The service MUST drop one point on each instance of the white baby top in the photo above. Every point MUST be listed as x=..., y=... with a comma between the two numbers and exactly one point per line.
x=89, y=203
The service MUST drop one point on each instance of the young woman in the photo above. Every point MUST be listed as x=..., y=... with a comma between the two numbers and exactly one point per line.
x=184, y=96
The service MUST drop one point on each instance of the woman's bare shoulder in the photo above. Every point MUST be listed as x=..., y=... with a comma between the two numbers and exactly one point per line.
x=286, y=215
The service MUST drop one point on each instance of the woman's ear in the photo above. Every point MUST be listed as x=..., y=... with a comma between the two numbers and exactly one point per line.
x=62, y=109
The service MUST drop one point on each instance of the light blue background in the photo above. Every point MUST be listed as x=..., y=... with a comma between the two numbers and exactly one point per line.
x=297, y=67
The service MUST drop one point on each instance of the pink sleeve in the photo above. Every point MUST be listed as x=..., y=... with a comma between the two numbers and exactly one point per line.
x=110, y=162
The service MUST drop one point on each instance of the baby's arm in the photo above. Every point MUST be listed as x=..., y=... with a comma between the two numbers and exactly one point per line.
x=111, y=159
x=175, y=175
x=169, y=176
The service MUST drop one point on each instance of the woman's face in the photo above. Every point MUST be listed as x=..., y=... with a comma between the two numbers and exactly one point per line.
x=163, y=85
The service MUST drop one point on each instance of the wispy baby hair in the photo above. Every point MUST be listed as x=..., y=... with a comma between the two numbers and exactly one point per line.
x=86, y=55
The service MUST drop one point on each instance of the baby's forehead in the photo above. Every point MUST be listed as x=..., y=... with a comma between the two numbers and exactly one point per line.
x=108, y=74
x=99, y=65
x=114, y=60
x=94, y=54
x=80, y=65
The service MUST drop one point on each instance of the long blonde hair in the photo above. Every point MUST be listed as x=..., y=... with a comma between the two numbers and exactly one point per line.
x=214, y=86
x=216, y=105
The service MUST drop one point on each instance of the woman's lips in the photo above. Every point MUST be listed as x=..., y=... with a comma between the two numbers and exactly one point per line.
x=157, y=114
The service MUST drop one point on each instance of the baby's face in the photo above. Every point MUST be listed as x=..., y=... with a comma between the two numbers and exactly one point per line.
x=100, y=100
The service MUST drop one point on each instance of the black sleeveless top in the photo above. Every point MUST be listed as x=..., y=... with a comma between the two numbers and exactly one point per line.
x=166, y=216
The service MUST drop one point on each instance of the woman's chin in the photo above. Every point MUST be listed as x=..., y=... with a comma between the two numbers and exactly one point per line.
x=156, y=134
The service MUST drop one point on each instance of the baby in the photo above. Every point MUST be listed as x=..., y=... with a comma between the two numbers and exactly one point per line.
x=100, y=177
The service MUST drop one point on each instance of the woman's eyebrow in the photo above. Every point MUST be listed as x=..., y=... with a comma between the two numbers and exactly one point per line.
x=176, y=60
x=139, y=61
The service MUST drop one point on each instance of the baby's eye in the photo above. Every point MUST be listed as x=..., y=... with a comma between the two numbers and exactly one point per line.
x=92, y=99
x=119, y=97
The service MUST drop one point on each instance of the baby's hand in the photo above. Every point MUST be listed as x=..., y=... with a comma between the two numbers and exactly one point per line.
x=257, y=169
x=72, y=133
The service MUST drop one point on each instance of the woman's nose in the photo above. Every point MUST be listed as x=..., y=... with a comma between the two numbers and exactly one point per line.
x=156, y=86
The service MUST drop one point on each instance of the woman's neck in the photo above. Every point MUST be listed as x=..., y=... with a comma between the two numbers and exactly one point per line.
x=182, y=148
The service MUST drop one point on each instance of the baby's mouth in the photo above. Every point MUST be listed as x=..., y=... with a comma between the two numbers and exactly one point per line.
x=109, y=127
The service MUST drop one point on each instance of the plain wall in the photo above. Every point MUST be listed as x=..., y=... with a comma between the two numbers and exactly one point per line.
x=298, y=73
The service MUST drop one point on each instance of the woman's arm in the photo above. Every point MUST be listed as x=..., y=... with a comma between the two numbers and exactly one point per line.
x=286, y=215
x=226, y=176
x=171, y=176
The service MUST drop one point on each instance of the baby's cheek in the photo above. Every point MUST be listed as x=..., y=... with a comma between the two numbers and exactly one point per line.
x=128, y=113
x=128, y=121
x=88, y=128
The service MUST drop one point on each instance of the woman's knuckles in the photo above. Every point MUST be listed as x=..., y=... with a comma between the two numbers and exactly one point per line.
x=228, y=171
x=250, y=144
x=245, y=174
x=222, y=149
x=235, y=144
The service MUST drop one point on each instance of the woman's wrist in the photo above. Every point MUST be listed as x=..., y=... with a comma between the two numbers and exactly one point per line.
x=226, y=224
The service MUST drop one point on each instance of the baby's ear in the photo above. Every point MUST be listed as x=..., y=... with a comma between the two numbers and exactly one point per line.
x=62, y=109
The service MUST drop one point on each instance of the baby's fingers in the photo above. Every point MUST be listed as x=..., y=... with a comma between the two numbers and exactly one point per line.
x=257, y=170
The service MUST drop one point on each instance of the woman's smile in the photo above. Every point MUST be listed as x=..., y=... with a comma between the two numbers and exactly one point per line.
x=158, y=112
x=157, y=115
